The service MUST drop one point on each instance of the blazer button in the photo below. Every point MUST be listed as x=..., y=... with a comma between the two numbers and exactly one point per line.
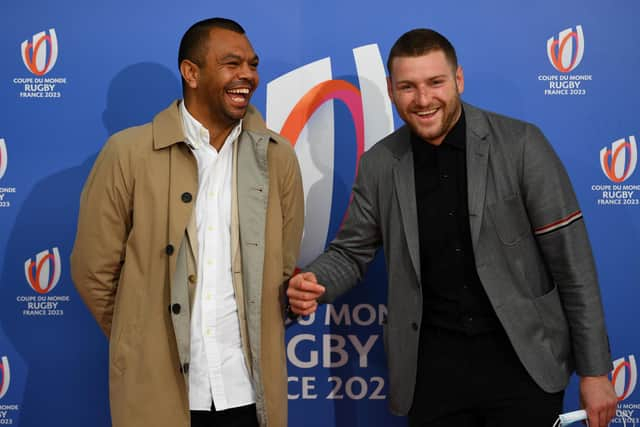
x=192, y=279
x=186, y=197
x=169, y=249
x=175, y=308
x=414, y=326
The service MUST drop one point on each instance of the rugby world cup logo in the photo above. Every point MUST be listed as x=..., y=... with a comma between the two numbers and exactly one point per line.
x=43, y=272
x=3, y=157
x=619, y=162
x=624, y=376
x=300, y=105
x=40, y=54
x=565, y=52
x=5, y=376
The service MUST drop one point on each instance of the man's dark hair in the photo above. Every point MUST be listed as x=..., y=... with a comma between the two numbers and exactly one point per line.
x=419, y=42
x=193, y=45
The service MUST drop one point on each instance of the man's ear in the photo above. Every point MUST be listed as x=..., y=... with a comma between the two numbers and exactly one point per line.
x=460, y=79
x=190, y=73
x=390, y=88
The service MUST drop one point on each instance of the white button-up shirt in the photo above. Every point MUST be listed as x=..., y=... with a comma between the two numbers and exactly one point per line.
x=217, y=369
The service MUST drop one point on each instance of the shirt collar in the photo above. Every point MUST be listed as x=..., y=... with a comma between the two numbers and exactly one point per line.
x=197, y=135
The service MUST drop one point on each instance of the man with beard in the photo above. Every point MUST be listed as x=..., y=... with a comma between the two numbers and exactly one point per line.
x=493, y=298
x=188, y=228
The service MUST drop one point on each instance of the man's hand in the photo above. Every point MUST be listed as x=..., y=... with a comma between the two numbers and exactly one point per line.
x=599, y=399
x=303, y=293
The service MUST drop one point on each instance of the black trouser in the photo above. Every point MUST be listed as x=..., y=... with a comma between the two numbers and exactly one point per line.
x=243, y=416
x=477, y=381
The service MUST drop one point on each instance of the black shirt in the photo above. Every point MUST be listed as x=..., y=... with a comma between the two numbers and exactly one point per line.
x=453, y=296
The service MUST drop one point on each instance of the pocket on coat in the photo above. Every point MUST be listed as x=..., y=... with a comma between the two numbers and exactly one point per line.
x=510, y=220
x=118, y=342
x=555, y=324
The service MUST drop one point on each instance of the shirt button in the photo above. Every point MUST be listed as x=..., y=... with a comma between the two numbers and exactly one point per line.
x=192, y=278
x=184, y=368
x=414, y=326
x=186, y=197
x=169, y=249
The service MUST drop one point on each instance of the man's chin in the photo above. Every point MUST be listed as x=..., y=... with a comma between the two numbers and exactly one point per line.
x=237, y=113
x=425, y=134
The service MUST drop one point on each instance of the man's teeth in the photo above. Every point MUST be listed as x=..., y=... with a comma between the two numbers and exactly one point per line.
x=426, y=113
x=243, y=91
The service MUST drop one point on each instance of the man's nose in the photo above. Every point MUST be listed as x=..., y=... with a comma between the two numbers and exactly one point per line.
x=423, y=96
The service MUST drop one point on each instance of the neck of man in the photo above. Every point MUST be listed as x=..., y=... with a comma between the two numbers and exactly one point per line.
x=219, y=127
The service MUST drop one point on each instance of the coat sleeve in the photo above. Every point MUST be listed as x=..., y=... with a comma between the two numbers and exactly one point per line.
x=104, y=222
x=560, y=230
x=292, y=200
x=345, y=262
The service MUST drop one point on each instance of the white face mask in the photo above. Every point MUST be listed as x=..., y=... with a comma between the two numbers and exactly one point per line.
x=570, y=418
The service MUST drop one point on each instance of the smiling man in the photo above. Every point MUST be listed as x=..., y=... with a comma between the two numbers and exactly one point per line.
x=188, y=227
x=493, y=299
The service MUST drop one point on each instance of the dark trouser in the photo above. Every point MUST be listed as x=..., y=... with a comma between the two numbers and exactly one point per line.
x=477, y=381
x=243, y=416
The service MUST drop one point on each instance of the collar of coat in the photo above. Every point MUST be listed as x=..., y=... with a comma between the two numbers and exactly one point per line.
x=167, y=127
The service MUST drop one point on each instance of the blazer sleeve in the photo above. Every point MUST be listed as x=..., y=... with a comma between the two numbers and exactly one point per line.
x=104, y=222
x=560, y=230
x=345, y=262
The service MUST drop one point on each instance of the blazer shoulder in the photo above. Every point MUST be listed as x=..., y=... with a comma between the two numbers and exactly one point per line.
x=483, y=121
x=391, y=147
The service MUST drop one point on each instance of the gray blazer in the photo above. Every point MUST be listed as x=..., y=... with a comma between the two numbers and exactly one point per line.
x=531, y=250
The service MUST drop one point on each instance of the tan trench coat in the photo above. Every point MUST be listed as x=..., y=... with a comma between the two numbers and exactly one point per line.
x=135, y=257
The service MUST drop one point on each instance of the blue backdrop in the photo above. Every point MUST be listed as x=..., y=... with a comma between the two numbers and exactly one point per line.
x=74, y=73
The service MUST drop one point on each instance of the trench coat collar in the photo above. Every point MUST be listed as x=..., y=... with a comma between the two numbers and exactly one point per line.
x=168, y=129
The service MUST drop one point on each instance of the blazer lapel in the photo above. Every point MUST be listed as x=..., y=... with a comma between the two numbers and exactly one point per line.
x=405, y=188
x=477, y=164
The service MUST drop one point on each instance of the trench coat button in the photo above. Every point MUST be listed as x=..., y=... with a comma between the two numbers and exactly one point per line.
x=169, y=249
x=192, y=279
x=186, y=197
x=175, y=308
x=414, y=326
